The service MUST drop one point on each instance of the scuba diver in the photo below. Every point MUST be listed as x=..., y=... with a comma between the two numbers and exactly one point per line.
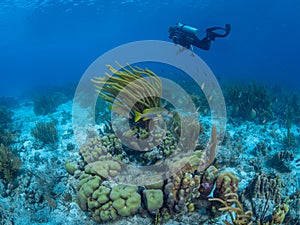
x=185, y=35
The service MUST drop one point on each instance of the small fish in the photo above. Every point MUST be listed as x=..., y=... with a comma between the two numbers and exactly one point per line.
x=157, y=219
x=211, y=194
x=153, y=113
x=202, y=86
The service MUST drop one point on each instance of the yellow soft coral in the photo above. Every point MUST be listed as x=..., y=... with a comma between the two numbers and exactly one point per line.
x=237, y=214
x=140, y=86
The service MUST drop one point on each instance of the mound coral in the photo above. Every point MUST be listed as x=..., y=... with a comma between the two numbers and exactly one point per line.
x=154, y=199
x=106, y=202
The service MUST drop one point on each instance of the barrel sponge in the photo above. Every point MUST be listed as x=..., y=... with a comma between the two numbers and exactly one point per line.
x=153, y=199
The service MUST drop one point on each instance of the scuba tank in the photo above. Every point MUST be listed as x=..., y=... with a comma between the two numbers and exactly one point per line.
x=187, y=28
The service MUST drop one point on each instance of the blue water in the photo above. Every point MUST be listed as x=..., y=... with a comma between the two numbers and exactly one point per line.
x=44, y=43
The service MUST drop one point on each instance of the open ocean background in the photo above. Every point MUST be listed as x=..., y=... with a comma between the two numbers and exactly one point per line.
x=60, y=153
x=47, y=42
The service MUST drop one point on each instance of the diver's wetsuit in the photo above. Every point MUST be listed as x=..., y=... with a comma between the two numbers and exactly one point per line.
x=203, y=44
x=189, y=39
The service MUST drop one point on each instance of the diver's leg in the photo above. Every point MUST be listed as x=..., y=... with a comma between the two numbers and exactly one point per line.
x=203, y=44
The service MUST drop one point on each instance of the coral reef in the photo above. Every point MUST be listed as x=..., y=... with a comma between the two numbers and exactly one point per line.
x=100, y=148
x=9, y=163
x=180, y=190
x=240, y=217
x=6, y=137
x=282, y=161
x=82, y=187
x=71, y=168
x=106, y=168
x=6, y=134
x=262, y=195
x=264, y=186
x=45, y=132
x=208, y=180
x=226, y=183
x=106, y=200
x=279, y=213
x=9, y=102
x=251, y=102
x=237, y=214
x=294, y=208
x=5, y=116
x=125, y=199
x=44, y=105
